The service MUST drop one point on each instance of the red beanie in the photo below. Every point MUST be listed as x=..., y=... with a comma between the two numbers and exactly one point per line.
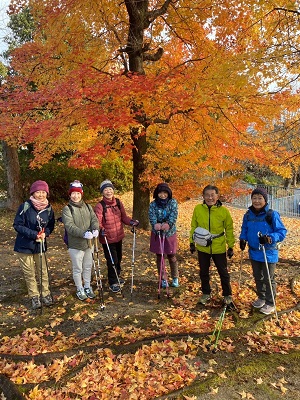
x=39, y=185
x=76, y=186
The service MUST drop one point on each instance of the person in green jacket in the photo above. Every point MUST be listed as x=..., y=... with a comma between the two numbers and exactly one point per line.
x=215, y=218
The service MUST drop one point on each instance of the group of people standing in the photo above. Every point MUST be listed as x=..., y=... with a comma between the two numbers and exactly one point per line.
x=211, y=235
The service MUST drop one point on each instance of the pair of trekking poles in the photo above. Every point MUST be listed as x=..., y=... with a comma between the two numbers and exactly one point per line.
x=97, y=270
x=162, y=271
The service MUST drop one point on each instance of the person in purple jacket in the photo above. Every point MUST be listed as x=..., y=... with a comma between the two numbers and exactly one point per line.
x=112, y=217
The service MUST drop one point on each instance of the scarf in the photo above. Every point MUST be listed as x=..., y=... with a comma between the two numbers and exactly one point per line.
x=38, y=204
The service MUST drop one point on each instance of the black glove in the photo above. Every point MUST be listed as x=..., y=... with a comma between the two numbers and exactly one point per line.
x=229, y=252
x=192, y=248
x=264, y=239
x=134, y=222
x=243, y=244
x=102, y=232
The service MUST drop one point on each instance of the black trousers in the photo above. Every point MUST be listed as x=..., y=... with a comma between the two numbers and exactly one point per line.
x=220, y=261
x=116, y=253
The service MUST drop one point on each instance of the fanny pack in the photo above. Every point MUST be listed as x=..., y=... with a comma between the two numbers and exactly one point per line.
x=203, y=237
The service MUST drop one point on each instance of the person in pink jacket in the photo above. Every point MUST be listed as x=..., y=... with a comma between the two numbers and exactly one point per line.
x=112, y=217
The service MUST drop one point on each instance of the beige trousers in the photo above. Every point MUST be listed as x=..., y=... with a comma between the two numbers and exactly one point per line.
x=31, y=267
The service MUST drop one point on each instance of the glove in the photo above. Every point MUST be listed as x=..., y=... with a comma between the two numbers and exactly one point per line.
x=88, y=235
x=134, y=222
x=192, y=248
x=157, y=227
x=165, y=226
x=229, y=252
x=102, y=232
x=95, y=233
x=264, y=239
x=243, y=244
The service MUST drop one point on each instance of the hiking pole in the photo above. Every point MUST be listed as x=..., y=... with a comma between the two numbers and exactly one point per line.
x=133, y=259
x=98, y=274
x=113, y=265
x=269, y=279
x=48, y=271
x=41, y=274
x=218, y=328
x=241, y=268
x=162, y=272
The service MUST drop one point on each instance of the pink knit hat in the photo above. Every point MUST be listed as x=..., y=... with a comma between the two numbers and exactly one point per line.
x=39, y=185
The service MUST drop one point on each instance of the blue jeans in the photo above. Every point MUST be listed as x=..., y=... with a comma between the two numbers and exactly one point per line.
x=260, y=274
x=220, y=261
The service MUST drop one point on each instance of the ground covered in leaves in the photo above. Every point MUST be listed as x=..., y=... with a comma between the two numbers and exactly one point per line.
x=141, y=347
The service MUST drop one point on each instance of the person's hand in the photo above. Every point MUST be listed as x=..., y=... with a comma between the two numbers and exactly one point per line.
x=88, y=235
x=157, y=227
x=192, y=248
x=134, y=222
x=165, y=226
x=230, y=252
x=264, y=239
x=40, y=236
x=102, y=232
x=243, y=244
x=95, y=233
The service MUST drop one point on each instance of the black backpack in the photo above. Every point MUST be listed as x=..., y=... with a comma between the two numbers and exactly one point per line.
x=104, y=206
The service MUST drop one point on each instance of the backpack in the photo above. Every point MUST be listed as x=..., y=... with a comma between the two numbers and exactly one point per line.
x=268, y=217
x=104, y=206
x=28, y=205
x=203, y=237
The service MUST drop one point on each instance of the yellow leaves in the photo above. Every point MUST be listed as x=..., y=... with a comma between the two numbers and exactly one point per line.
x=245, y=395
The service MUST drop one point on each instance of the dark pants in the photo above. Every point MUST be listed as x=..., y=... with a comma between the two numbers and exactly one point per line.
x=116, y=253
x=261, y=278
x=220, y=262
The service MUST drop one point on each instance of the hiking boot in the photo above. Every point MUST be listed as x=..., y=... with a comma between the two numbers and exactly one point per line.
x=89, y=292
x=267, y=309
x=81, y=294
x=115, y=288
x=227, y=299
x=258, y=303
x=204, y=299
x=47, y=300
x=35, y=302
x=174, y=282
x=163, y=284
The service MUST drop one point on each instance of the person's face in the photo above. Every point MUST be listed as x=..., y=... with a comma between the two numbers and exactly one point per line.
x=40, y=195
x=258, y=201
x=210, y=197
x=108, y=193
x=163, y=195
x=76, y=196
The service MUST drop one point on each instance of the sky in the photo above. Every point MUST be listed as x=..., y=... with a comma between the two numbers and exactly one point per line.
x=3, y=23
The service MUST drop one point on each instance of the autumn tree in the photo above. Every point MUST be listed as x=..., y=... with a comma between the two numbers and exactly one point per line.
x=172, y=85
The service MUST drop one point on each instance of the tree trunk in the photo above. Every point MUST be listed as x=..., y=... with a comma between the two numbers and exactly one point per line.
x=141, y=195
x=11, y=162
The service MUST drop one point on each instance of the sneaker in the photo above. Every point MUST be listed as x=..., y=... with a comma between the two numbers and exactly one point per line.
x=175, y=282
x=89, y=292
x=228, y=299
x=204, y=299
x=81, y=294
x=115, y=288
x=47, y=300
x=267, y=309
x=163, y=284
x=35, y=302
x=258, y=303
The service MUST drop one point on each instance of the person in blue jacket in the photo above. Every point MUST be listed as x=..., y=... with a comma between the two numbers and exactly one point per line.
x=34, y=222
x=262, y=226
x=163, y=213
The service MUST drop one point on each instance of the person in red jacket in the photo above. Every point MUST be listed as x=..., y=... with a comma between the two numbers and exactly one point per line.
x=112, y=217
